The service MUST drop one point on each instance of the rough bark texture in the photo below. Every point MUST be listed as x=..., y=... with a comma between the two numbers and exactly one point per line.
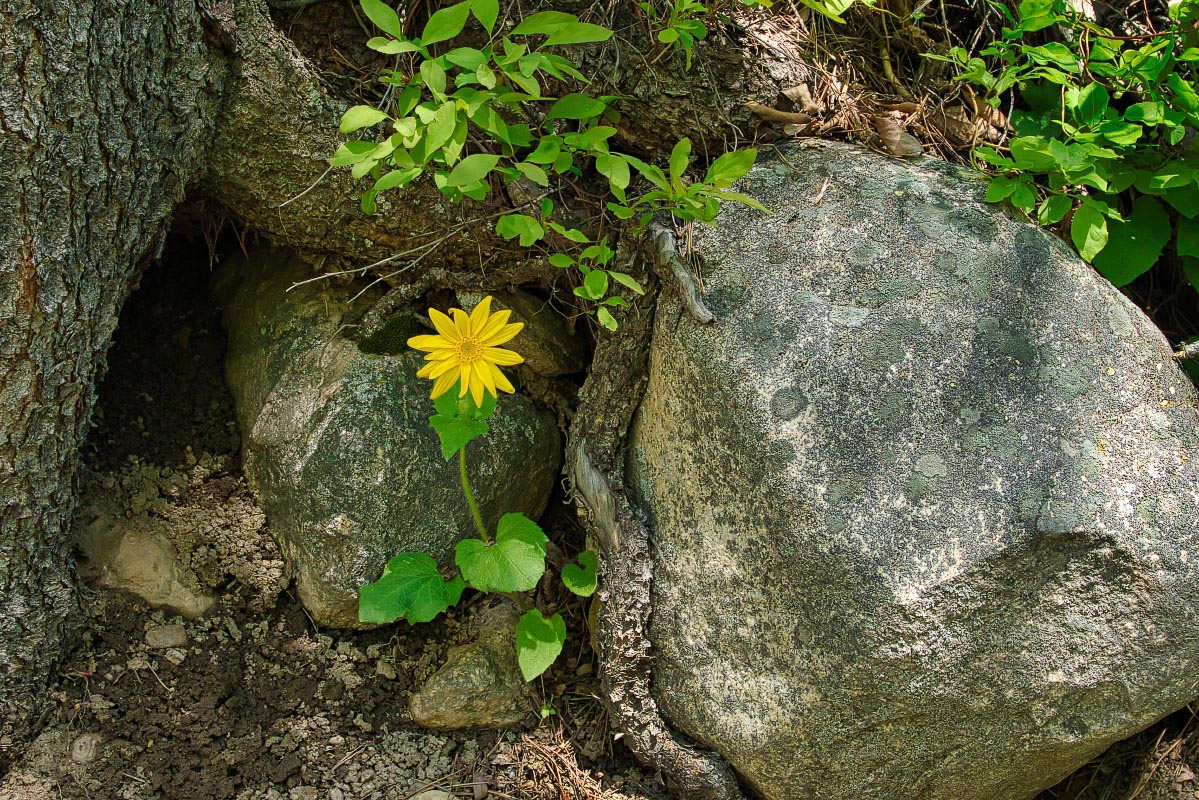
x=109, y=108
x=595, y=462
x=104, y=106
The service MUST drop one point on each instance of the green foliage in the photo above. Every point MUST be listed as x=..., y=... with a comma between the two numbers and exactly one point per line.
x=449, y=102
x=1100, y=139
x=538, y=642
x=581, y=578
x=512, y=561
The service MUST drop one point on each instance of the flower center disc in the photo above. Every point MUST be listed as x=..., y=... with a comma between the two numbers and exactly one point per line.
x=470, y=350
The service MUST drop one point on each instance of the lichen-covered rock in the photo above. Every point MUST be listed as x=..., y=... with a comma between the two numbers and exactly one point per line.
x=480, y=685
x=925, y=496
x=337, y=442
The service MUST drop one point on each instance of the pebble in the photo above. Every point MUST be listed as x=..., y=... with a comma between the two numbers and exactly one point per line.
x=384, y=669
x=175, y=656
x=433, y=794
x=162, y=637
x=85, y=748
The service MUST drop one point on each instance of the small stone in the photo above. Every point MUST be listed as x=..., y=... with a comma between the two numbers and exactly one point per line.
x=164, y=636
x=384, y=669
x=137, y=663
x=433, y=794
x=175, y=656
x=86, y=748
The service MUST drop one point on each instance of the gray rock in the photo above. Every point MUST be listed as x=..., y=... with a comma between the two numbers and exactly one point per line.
x=162, y=637
x=86, y=748
x=923, y=496
x=137, y=556
x=336, y=440
x=480, y=685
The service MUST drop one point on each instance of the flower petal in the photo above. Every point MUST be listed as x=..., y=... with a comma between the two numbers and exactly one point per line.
x=478, y=317
x=427, y=342
x=461, y=322
x=505, y=333
x=425, y=371
x=505, y=358
x=476, y=386
x=444, y=384
x=438, y=368
x=444, y=325
x=500, y=379
x=494, y=323
x=483, y=370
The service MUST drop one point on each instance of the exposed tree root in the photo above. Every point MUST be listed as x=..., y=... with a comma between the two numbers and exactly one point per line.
x=595, y=466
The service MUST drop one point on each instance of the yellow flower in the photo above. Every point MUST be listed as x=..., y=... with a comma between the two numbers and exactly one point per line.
x=465, y=351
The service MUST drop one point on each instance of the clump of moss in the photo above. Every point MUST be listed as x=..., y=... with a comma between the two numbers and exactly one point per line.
x=392, y=338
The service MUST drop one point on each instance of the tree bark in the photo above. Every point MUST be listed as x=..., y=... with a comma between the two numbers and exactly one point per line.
x=110, y=108
x=105, y=106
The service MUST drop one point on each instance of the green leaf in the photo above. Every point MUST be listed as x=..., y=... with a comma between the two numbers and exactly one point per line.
x=534, y=173
x=596, y=283
x=392, y=47
x=359, y=117
x=486, y=12
x=576, y=106
x=730, y=167
x=384, y=16
x=441, y=127
x=411, y=587
x=456, y=432
x=468, y=58
x=450, y=404
x=351, y=152
x=1053, y=209
x=473, y=168
x=743, y=199
x=1187, y=239
x=1133, y=246
x=579, y=33
x=1088, y=230
x=561, y=261
x=544, y=22
x=1185, y=200
x=1089, y=103
x=514, y=562
x=446, y=23
x=527, y=228
x=1000, y=188
x=581, y=579
x=433, y=74
x=605, y=318
x=680, y=157
x=626, y=280
x=538, y=642
x=397, y=179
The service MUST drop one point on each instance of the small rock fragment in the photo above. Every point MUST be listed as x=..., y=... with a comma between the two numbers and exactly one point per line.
x=86, y=748
x=384, y=669
x=175, y=656
x=162, y=637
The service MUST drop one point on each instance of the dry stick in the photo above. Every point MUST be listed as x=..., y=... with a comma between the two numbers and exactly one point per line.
x=595, y=468
x=1188, y=350
x=672, y=269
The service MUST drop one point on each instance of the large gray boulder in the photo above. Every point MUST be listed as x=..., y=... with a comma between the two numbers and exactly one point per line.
x=336, y=439
x=924, y=496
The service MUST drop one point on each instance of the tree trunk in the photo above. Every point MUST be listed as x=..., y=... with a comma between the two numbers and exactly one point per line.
x=110, y=108
x=104, y=108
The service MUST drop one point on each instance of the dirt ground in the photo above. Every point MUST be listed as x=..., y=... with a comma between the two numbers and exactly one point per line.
x=253, y=701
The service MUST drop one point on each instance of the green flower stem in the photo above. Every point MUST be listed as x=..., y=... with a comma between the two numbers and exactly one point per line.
x=470, y=497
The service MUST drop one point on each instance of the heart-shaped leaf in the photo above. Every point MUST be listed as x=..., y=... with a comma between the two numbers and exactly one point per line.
x=581, y=578
x=410, y=587
x=514, y=562
x=538, y=642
